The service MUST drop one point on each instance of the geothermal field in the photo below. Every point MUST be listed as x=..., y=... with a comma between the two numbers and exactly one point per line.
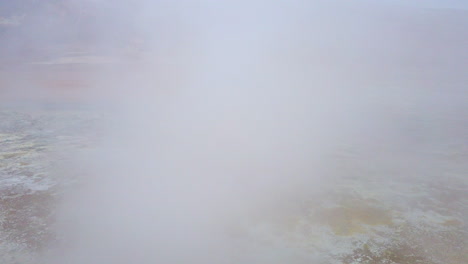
x=228, y=132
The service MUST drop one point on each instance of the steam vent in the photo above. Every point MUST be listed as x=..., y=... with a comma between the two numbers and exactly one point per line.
x=233, y=132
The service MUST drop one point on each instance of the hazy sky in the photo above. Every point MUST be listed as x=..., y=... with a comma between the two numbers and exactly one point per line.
x=458, y=4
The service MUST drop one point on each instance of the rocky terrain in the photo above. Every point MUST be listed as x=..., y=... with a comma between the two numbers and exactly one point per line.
x=374, y=207
x=32, y=147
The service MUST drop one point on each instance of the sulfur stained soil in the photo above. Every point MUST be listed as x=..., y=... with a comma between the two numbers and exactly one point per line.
x=369, y=211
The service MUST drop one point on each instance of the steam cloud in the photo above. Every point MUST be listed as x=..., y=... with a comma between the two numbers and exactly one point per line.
x=221, y=109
